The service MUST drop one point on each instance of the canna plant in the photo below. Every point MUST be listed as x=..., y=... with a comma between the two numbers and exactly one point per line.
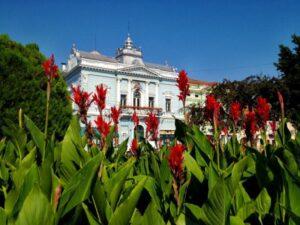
x=195, y=180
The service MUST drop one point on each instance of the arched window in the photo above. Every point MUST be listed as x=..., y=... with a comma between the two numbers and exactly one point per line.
x=136, y=98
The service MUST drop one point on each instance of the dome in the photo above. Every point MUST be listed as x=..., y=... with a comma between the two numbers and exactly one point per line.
x=95, y=52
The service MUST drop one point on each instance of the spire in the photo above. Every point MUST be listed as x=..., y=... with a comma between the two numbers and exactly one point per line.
x=128, y=42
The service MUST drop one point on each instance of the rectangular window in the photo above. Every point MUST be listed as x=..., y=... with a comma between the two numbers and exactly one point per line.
x=151, y=102
x=123, y=100
x=168, y=105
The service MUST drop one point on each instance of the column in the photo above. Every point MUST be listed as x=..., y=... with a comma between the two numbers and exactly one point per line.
x=129, y=94
x=118, y=91
x=156, y=95
x=147, y=94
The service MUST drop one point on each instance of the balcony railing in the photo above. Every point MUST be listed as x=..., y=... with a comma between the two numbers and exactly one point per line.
x=142, y=110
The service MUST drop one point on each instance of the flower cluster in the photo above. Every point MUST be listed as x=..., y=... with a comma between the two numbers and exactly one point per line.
x=100, y=96
x=102, y=126
x=250, y=124
x=235, y=112
x=212, y=108
x=134, y=146
x=135, y=119
x=50, y=68
x=152, y=124
x=83, y=101
x=262, y=111
x=183, y=85
x=176, y=160
x=115, y=115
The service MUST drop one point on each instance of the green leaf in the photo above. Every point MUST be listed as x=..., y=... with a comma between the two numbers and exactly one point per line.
x=193, y=167
x=151, y=216
x=80, y=185
x=36, y=210
x=235, y=220
x=37, y=136
x=263, y=202
x=92, y=220
x=217, y=207
x=123, y=213
x=202, y=142
x=2, y=216
x=116, y=183
x=31, y=178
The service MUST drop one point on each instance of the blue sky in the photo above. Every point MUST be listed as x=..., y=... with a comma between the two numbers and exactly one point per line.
x=212, y=40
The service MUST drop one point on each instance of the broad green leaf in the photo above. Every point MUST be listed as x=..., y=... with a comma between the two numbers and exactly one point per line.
x=31, y=178
x=36, y=210
x=2, y=216
x=92, y=220
x=150, y=217
x=217, y=206
x=37, y=136
x=116, y=183
x=193, y=167
x=123, y=213
x=202, y=142
x=235, y=220
x=80, y=185
x=263, y=202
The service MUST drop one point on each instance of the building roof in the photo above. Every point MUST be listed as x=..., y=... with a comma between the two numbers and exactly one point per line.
x=96, y=56
x=201, y=82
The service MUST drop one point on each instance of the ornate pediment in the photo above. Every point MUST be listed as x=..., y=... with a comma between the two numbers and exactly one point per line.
x=140, y=70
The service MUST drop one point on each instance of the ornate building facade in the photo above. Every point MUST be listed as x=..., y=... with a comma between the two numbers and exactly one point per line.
x=133, y=85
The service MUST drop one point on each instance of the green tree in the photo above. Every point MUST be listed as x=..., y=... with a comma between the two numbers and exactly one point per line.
x=23, y=84
x=247, y=90
x=289, y=66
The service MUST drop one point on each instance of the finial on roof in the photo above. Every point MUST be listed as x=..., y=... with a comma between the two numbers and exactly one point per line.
x=128, y=42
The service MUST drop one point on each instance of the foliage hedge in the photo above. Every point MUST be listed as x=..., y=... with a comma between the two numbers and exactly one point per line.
x=44, y=181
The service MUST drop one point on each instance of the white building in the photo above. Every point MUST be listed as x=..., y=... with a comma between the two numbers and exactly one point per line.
x=132, y=84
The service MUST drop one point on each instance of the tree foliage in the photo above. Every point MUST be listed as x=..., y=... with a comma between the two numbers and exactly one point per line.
x=245, y=91
x=289, y=66
x=22, y=85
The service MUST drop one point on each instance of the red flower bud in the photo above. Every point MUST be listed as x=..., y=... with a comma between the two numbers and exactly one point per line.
x=263, y=111
x=135, y=119
x=176, y=160
x=102, y=126
x=152, y=124
x=50, y=68
x=100, y=96
x=134, y=146
x=235, y=111
x=183, y=85
x=115, y=115
x=250, y=125
x=82, y=100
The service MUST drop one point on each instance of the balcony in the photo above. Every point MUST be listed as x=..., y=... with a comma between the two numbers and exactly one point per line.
x=142, y=110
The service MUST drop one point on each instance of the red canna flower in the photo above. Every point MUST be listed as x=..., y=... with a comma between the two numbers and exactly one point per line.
x=50, y=68
x=82, y=100
x=134, y=146
x=183, y=85
x=152, y=126
x=135, y=119
x=100, y=96
x=263, y=111
x=235, y=111
x=102, y=126
x=273, y=126
x=115, y=115
x=250, y=124
x=281, y=102
x=212, y=107
x=176, y=160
